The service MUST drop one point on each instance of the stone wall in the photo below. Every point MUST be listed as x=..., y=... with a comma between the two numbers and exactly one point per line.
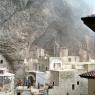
x=70, y=84
x=53, y=77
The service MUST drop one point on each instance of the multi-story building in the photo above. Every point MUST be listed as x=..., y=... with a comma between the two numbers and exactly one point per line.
x=64, y=73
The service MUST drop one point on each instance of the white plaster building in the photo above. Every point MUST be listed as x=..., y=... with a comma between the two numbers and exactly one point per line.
x=6, y=82
x=4, y=63
x=70, y=62
x=66, y=79
x=64, y=73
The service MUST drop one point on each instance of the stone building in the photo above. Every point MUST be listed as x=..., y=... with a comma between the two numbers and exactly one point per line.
x=67, y=80
x=63, y=52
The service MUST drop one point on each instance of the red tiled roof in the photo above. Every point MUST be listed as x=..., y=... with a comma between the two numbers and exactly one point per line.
x=89, y=75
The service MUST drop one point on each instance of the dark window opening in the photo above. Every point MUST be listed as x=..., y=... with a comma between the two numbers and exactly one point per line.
x=73, y=86
x=18, y=93
x=53, y=83
x=1, y=71
x=77, y=82
x=46, y=68
x=1, y=61
x=67, y=93
x=69, y=59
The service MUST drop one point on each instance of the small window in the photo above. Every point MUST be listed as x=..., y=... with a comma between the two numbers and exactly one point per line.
x=46, y=68
x=1, y=61
x=73, y=86
x=69, y=59
x=1, y=71
x=53, y=83
x=77, y=82
x=67, y=93
x=18, y=93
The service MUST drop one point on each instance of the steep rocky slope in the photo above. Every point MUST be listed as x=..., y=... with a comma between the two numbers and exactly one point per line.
x=27, y=22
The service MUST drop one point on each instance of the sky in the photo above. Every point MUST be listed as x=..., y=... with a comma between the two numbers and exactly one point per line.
x=87, y=6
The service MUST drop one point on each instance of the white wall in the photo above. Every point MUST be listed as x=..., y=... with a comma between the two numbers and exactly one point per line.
x=55, y=60
x=54, y=77
x=4, y=64
x=66, y=80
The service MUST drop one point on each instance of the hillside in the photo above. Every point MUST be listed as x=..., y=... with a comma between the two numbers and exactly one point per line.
x=24, y=23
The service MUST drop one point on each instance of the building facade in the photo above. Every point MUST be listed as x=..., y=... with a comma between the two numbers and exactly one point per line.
x=68, y=80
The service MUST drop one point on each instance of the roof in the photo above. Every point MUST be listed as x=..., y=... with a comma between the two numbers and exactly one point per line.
x=89, y=75
x=89, y=21
x=6, y=74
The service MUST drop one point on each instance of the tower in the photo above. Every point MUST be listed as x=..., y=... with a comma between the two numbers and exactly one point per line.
x=63, y=52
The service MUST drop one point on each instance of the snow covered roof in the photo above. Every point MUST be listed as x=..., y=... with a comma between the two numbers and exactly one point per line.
x=7, y=74
x=4, y=72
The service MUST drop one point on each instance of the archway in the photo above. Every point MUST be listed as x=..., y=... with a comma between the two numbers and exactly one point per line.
x=31, y=79
x=56, y=64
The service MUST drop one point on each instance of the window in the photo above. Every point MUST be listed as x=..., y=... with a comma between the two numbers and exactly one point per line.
x=57, y=65
x=1, y=61
x=53, y=83
x=46, y=68
x=18, y=93
x=1, y=71
x=39, y=67
x=67, y=93
x=69, y=59
x=77, y=82
x=73, y=86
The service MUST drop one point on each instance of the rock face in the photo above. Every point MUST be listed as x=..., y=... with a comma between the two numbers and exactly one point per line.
x=24, y=23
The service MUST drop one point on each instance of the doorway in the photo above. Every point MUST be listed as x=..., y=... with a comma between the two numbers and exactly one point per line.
x=31, y=80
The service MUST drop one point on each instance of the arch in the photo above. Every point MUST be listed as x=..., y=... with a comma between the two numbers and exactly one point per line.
x=56, y=64
x=31, y=78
